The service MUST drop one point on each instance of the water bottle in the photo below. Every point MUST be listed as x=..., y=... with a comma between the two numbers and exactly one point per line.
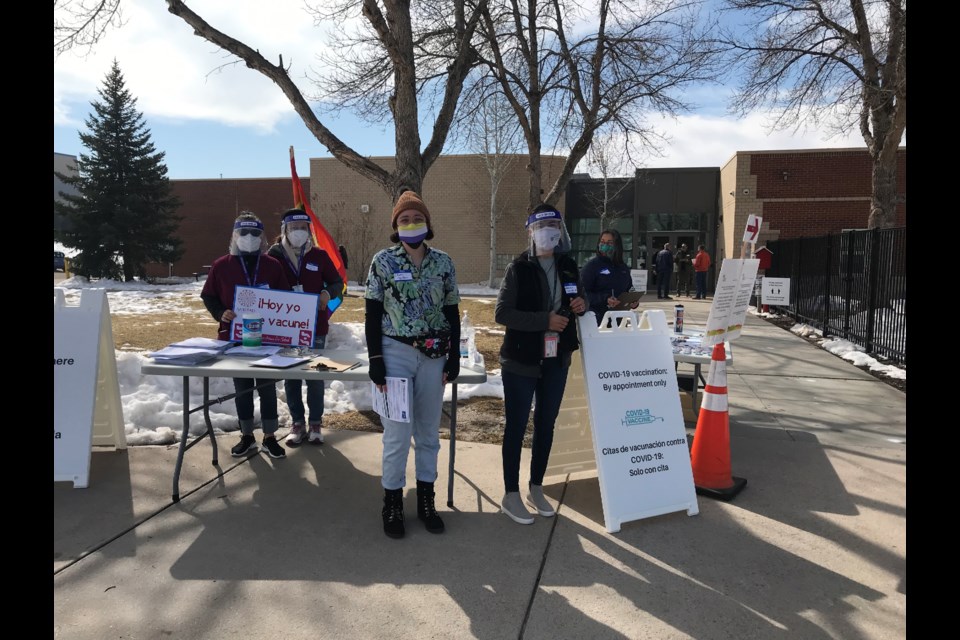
x=468, y=345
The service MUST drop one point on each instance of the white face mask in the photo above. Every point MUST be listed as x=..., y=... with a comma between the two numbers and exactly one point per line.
x=248, y=244
x=298, y=238
x=546, y=239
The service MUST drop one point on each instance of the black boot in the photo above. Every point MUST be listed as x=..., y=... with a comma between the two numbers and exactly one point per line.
x=425, y=508
x=393, y=513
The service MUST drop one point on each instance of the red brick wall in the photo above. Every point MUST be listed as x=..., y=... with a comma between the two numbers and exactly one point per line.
x=819, y=192
x=208, y=208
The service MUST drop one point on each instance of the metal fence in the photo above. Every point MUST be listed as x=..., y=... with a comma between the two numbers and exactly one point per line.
x=852, y=285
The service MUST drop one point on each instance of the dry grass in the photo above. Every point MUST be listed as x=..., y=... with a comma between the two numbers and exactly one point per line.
x=478, y=419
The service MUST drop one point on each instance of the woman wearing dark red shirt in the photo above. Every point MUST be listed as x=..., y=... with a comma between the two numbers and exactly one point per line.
x=246, y=265
x=309, y=269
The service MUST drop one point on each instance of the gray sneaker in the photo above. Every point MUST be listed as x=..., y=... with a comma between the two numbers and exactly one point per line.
x=512, y=505
x=538, y=501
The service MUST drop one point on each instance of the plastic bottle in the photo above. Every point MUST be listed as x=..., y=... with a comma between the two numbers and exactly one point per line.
x=468, y=344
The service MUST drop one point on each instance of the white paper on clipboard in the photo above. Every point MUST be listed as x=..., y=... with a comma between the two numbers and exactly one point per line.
x=392, y=404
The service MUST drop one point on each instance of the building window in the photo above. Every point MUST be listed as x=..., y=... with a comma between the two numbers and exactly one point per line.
x=504, y=260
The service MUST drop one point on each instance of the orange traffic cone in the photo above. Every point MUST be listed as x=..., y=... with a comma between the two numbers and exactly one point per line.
x=710, y=453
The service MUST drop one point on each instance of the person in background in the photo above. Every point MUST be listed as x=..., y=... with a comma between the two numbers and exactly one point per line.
x=246, y=265
x=684, y=269
x=663, y=268
x=605, y=276
x=538, y=296
x=412, y=329
x=701, y=264
x=310, y=270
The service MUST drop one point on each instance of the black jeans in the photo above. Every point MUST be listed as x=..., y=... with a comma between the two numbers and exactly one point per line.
x=518, y=394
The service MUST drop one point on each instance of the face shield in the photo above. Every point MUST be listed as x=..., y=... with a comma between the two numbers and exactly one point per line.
x=295, y=227
x=547, y=233
x=248, y=236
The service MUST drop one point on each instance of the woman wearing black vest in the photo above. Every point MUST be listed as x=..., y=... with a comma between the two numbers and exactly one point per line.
x=538, y=297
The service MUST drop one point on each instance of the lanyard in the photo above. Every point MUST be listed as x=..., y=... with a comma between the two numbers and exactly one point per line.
x=246, y=274
x=551, y=281
x=296, y=269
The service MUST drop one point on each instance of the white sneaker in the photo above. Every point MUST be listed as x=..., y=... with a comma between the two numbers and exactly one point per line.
x=297, y=433
x=512, y=505
x=539, y=502
x=316, y=437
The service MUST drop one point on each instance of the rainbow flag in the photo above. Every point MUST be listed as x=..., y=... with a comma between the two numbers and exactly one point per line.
x=321, y=237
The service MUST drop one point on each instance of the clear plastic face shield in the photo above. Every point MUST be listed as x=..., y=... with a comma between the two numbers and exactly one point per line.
x=248, y=236
x=296, y=229
x=547, y=234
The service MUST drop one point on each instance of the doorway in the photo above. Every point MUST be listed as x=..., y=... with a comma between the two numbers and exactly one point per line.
x=655, y=242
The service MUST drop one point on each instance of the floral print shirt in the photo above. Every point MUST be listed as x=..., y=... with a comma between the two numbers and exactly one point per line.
x=413, y=298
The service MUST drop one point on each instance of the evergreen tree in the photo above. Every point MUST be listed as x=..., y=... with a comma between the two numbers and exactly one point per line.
x=124, y=215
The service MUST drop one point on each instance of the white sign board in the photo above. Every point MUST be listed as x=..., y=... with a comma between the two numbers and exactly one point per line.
x=776, y=292
x=85, y=386
x=639, y=439
x=731, y=297
x=752, y=230
x=289, y=317
x=638, y=278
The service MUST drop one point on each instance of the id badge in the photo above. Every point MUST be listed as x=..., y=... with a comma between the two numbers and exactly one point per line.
x=550, y=341
x=298, y=287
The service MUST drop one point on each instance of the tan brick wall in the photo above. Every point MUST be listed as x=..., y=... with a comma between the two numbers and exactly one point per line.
x=457, y=192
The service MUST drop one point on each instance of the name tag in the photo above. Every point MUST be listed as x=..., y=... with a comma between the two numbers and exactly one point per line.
x=298, y=288
x=312, y=267
x=262, y=286
x=402, y=276
x=550, y=341
x=570, y=288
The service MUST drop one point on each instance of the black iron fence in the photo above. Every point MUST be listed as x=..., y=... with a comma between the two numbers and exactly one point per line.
x=852, y=285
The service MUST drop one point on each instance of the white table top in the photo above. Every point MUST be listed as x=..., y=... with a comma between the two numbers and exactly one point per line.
x=239, y=367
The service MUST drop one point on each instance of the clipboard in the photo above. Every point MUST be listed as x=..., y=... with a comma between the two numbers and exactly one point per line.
x=278, y=362
x=627, y=298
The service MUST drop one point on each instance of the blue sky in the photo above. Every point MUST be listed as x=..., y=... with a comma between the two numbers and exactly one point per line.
x=229, y=121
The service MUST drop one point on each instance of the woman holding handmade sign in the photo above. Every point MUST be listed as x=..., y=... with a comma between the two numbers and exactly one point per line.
x=606, y=276
x=246, y=265
x=538, y=297
x=309, y=269
x=412, y=319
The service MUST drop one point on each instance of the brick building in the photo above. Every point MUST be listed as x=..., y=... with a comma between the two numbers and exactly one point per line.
x=798, y=193
x=208, y=208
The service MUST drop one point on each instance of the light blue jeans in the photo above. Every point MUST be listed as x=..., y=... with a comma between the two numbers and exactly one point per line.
x=294, y=392
x=425, y=398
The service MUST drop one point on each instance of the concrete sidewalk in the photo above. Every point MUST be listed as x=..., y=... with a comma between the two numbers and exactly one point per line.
x=814, y=546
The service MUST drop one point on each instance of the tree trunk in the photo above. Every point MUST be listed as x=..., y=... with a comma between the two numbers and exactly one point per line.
x=493, y=235
x=883, y=201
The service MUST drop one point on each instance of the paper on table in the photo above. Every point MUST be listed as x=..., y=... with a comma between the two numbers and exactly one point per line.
x=203, y=343
x=279, y=362
x=183, y=355
x=392, y=404
x=263, y=350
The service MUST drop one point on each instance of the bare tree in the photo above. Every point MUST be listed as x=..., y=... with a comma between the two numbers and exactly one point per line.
x=568, y=79
x=491, y=131
x=80, y=24
x=358, y=233
x=608, y=158
x=808, y=58
x=391, y=38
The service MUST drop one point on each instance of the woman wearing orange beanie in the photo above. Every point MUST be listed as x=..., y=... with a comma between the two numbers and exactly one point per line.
x=412, y=330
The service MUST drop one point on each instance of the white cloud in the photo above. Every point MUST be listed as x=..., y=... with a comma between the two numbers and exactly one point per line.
x=175, y=74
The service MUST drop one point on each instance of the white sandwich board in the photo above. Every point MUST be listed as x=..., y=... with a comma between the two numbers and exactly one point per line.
x=86, y=393
x=639, y=438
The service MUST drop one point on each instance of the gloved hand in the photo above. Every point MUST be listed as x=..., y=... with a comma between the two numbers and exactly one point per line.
x=378, y=371
x=452, y=368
